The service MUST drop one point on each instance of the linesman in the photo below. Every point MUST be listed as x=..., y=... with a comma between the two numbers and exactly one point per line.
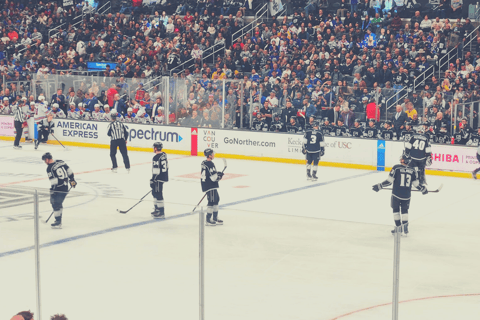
x=119, y=135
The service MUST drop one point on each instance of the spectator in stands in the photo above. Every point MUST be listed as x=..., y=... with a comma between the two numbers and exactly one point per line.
x=23, y=315
x=399, y=119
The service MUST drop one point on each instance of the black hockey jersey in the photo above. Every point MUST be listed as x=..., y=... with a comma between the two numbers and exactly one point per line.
x=209, y=177
x=406, y=135
x=475, y=140
x=442, y=138
x=388, y=135
x=277, y=126
x=313, y=141
x=356, y=132
x=259, y=125
x=418, y=148
x=340, y=131
x=371, y=133
x=293, y=128
x=327, y=130
x=58, y=173
x=160, y=167
x=402, y=178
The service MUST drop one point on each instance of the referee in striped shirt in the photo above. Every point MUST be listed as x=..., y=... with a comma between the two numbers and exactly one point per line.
x=119, y=135
x=18, y=122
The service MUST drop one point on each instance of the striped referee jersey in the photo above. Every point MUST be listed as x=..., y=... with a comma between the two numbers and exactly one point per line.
x=18, y=114
x=117, y=131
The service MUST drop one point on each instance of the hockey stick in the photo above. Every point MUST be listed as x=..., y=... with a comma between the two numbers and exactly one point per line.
x=429, y=191
x=58, y=141
x=224, y=167
x=54, y=211
x=134, y=204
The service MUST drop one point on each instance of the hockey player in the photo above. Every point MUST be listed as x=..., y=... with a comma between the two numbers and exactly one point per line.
x=428, y=131
x=371, y=131
x=108, y=115
x=159, y=118
x=45, y=127
x=313, y=148
x=357, y=130
x=465, y=133
x=418, y=152
x=326, y=128
x=293, y=126
x=209, y=181
x=474, y=139
x=442, y=136
x=57, y=112
x=474, y=173
x=130, y=116
x=97, y=114
x=402, y=177
x=259, y=124
x=142, y=116
x=41, y=109
x=84, y=114
x=73, y=112
x=59, y=174
x=407, y=133
x=388, y=133
x=277, y=124
x=5, y=108
x=159, y=177
x=310, y=123
x=340, y=129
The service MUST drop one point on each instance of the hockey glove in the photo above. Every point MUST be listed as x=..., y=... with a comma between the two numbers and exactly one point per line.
x=73, y=183
x=25, y=124
x=304, y=151
x=220, y=175
x=428, y=163
x=377, y=187
x=152, y=183
x=322, y=152
x=423, y=189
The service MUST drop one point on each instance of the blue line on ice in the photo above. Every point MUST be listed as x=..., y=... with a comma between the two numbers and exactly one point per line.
x=137, y=224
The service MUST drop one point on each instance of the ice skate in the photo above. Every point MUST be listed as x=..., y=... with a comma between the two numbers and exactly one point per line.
x=219, y=222
x=114, y=170
x=405, y=229
x=314, y=176
x=57, y=225
x=309, y=176
x=17, y=147
x=36, y=144
x=210, y=223
x=474, y=175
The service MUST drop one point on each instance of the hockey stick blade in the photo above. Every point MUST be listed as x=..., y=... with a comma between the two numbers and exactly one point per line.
x=120, y=211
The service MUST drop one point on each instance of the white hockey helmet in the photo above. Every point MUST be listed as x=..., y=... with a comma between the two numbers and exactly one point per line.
x=129, y=110
x=55, y=105
x=96, y=105
x=41, y=98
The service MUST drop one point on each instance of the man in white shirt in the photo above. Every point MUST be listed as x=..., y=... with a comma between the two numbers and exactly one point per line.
x=272, y=100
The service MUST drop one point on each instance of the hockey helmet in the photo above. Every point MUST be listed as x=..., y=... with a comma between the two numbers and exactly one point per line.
x=113, y=115
x=371, y=120
x=405, y=159
x=316, y=124
x=129, y=110
x=41, y=98
x=388, y=122
x=208, y=152
x=158, y=145
x=46, y=156
x=357, y=121
x=55, y=105
x=408, y=123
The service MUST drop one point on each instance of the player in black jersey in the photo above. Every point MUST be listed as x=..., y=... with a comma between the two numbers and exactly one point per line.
x=326, y=128
x=388, y=133
x=59, y=174
x=427, y=132
x=442, y=136
x=340, y=129
x=277, y=124
x=310, y=123
x=159, y=177
x=402, y=177
x=314, y=148
x=357, y=130
x=407, y=133
x=209, y=180
x=259, y=124
x=45, y=127
x=371, y=131
x=474, y=139
x=418, y=151
x=293, y=126
x=465, y=133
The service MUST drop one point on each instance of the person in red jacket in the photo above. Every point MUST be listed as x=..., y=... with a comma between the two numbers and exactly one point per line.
x=12, y=34
x=373, y=112
x=111, y=92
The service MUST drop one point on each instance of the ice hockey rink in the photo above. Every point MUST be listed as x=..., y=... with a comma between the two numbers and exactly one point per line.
x=289, y=248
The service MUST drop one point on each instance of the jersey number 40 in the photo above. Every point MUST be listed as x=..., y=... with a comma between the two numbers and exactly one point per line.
x=419, y=144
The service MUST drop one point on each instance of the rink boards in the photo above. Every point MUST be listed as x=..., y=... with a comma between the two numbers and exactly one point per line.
x=355, y=153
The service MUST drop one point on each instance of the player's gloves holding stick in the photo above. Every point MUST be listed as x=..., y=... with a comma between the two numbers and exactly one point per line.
x=304, y=151
x=220, y=175
x=152, y=183
x=428, y=162
x=377, y=187
x=73, y=183
x=322, y=151
x=423, y=189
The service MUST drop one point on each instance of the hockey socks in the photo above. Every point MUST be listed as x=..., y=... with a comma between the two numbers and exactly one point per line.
x=159, y=209
x=215, y=216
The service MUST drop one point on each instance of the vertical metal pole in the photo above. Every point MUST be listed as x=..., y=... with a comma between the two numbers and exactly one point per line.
x=38, y=314
x=166, y=97
x=241, y=105
x=223, y=105
x=396, y=271
x=251, y=109
x=202, y=265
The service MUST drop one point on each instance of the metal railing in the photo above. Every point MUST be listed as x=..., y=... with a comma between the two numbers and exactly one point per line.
x=252, y=25
x=107, y=8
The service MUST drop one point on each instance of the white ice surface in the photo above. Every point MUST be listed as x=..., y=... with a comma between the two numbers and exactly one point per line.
x=289, y=248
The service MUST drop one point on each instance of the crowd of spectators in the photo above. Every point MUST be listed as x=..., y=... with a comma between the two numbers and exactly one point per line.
x=343, y=61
